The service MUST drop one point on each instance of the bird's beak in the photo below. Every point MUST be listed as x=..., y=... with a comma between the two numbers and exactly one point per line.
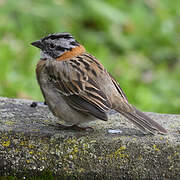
x=37, y=44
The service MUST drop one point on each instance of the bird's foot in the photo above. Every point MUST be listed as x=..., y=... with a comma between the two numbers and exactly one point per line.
x=74, y=128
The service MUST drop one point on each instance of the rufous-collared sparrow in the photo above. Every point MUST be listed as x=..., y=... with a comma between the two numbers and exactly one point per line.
x=78, y=89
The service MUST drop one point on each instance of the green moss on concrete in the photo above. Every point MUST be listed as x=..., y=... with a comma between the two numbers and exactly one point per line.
x=31, y=146
x=124, y=156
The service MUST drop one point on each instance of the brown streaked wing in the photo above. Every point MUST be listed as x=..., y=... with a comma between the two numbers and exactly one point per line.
x=86, y=107
x=78, y=87
x=66, y=78
x=118, y=87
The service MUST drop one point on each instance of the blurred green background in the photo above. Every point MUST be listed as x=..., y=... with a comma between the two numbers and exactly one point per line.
x=138, y=41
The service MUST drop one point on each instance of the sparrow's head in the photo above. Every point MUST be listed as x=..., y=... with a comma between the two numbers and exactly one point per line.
x=54, y=45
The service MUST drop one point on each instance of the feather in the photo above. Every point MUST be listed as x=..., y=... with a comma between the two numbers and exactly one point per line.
x=142, y=121
x=74, y=79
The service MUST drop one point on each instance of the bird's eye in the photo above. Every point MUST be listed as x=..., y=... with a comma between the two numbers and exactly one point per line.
x=52, y=46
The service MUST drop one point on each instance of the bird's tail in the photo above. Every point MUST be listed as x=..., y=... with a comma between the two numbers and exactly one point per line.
x=145, y=123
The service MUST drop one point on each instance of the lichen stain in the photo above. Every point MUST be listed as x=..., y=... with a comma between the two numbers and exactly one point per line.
x=155, y=148
x=119, y=153
x=6, y=143
x=9, y=123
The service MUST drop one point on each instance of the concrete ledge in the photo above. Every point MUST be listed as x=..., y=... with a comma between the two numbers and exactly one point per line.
x=30, y=145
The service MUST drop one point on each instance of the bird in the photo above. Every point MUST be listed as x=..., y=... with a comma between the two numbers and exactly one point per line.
x=78, y=89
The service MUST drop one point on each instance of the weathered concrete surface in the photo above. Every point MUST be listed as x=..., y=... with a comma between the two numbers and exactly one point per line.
x=29, y=144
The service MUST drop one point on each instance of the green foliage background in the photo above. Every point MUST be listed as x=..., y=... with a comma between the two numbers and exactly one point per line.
x=137, y=41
